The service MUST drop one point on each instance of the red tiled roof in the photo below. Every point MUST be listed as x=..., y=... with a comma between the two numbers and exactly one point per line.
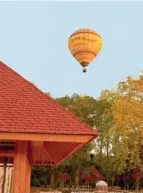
x=24, y=108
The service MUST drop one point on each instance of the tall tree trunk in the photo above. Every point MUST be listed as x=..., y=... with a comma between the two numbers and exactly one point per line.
x=101, y=148
x=107, y=158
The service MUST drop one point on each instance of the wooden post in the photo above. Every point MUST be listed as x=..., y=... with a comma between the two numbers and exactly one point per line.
x=22, y=168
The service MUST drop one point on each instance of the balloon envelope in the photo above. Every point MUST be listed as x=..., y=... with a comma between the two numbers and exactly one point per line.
x=84, y=45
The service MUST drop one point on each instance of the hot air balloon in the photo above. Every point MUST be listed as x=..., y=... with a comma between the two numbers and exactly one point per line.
x=84, y=45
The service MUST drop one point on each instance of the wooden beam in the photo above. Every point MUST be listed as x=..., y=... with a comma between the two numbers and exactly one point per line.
x=22, y=168
x=45, y=137
x=7, y=154
x=8, y=145
x=37, y=143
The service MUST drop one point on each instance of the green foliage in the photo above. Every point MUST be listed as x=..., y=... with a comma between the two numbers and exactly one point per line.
x=117, y=115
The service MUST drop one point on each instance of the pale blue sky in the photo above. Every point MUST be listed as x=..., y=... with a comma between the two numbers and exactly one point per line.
x=34, y=35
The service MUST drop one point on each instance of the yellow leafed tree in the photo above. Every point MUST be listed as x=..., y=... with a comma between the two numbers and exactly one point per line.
x=128, y=108
x=128, y=122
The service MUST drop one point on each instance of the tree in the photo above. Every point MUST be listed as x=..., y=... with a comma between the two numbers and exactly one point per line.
x=85, y=108
x=118, y=116
x=129, y=105
x=128, y=123
x=105, y=125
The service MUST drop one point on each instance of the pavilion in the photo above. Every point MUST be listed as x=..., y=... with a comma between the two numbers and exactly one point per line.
x=34, y=128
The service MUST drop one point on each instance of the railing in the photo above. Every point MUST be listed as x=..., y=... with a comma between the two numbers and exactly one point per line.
x=5, y=183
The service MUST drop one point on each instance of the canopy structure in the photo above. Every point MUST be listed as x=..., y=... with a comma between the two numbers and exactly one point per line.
x=34, y=128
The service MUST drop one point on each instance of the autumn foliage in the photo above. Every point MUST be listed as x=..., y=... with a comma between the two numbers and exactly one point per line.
x=118, y=151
